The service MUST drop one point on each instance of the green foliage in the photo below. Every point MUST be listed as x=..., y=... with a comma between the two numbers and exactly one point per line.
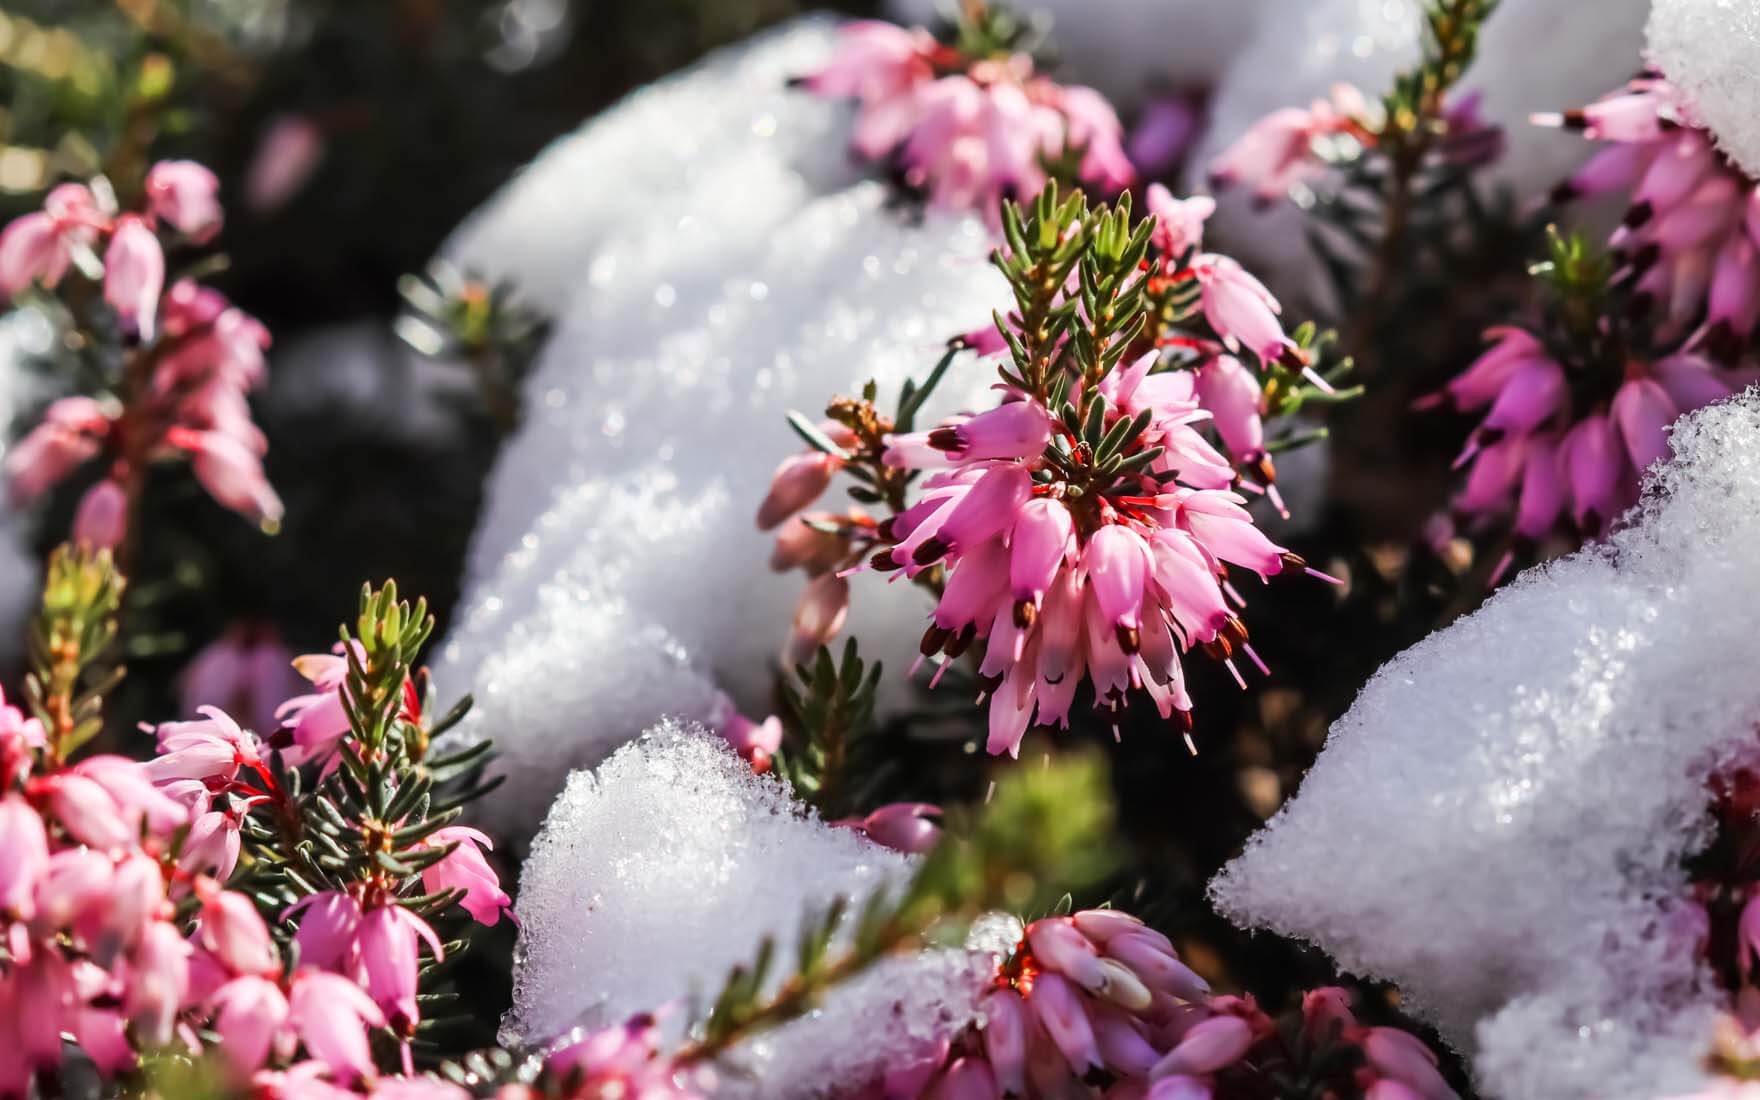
x=832, y=707
x=453, y=314
x=74, y=628
x=1045, y=829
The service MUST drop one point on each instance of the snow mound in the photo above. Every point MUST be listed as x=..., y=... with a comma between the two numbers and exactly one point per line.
x=1499, y=821
x=1711, y=50
x=656, y=874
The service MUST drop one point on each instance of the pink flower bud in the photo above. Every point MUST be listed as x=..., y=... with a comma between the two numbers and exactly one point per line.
x=102, y=517
x=158, y=982
x=290, y=150
x=1233, y=396
x=230, y=472
x=1209, y=1046
x=1534, y=391
x=186, y=195
x=1405, y=1058
x=26, y=845
x=1239, y=308
x=390, y=955
x=1059, y=1010
x=904, y=826
x=1542, y=492
x=1123, y=1046
x=1005, y=1039
x=1178, y=1087
x=1157, y=965
x=1117, y=564
x=134, y=274
x=249, y=1011
x=32, y=250
x=466, y=869
x=797, y=482
x=1326, y=1013
x=819, y=615
x=231, y=929
x=1595, y=470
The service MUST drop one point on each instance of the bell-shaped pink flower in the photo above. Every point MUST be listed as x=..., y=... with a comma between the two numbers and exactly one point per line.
x=71, y=432
x=1239, y=308
x=1017, y=429
x=1058, y=1008
x=26, y=845
x=1179, y=223
x=185, y=195
x=1272, y=156
x=464, y=868
x=1595, y=470
x=230, y=472
x=331, y=1014
x=1403, y=1057
x=102, y=517
x=755, y=742
x=327, y=931
x=1643, y=412
x=390, y=956
x=965, y=1079
x=134, y=274
x=158, y=982
x=234, y=933
x=1235, y=400
x=289, y=152
x=249, y=1013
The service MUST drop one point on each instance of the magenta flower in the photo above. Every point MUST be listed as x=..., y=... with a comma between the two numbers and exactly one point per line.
x=102, y=517
x=185, y=195
x=819, y=616
x=879, y=65
x=72, y=432
x=134, y=274
x=27, y=856
x=230, y=471
x=331, y=1014
x=1179, y=223
x=621, y=1061
x=37, y=248
x=1276, y=152
x=246, y=671
x=318, y=720
x=233, y=933
x=755, y=742
x=464, y=868
x=328, y=930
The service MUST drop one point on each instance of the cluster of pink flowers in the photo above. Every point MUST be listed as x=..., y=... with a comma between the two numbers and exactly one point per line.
x=1564, y=438
x=621, y=1061
x=1101, y=997
x=968, y=130
x=193, y=356
x=1062, y=569
x=1293, y=147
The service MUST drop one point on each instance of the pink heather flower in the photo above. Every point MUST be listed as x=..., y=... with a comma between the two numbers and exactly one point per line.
x=37, y=248
x=464, y=868
x=289, y=152
x=390, y=956
x=1239, y=308
x=158, y=982
x=331, y=1015
x=319, y=720
x=327, y=931
x=134, y=274
x=246, y=671
x=230, y=472
x=819, y=616
x=233, y=933
x=1093, y=126
x=71, y=432
x=1235, y=400
x=1595, y=471
x=213, y=844
x=1404, y=1058
x=212, y=747
x=102, y=516
x=1179, y=223
x=1643, y=411
x=249, y=1013
x=27, y=856
x=185, y=195
x=755, y=742
x=803, y=542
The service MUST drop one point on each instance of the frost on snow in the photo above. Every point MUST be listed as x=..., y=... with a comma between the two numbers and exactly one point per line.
x=1300, y=48
x=616, y=575
x=667, y=866
x=1499, y=821
x=1710, y=49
